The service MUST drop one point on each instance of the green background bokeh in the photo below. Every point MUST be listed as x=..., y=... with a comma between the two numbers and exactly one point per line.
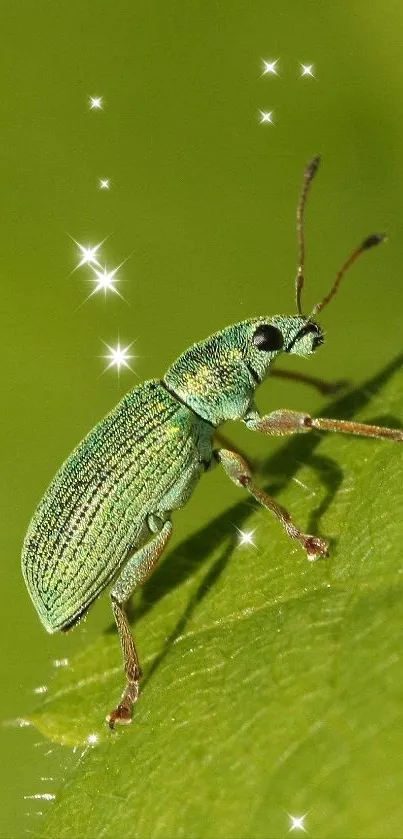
x=203, y=198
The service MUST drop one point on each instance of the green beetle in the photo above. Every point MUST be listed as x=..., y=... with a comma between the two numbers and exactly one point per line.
x=107, y=513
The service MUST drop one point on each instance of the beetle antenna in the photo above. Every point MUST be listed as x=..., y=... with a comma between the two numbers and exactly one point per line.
x=369, y=242
x=309, y=175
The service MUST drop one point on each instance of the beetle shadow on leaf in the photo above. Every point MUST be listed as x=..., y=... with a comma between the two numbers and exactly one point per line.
x=205, y=585
x=282, y=466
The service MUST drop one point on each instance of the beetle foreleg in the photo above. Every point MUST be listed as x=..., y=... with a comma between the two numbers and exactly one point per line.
x=293, y=422
x=136, y=571
x=238, y=470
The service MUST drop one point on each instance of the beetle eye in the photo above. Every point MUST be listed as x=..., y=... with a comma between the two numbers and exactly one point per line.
x=318, y=339
x=268, y=338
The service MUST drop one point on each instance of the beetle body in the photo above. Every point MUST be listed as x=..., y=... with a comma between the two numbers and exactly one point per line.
x=106, y=515
x=96, y=509
x=142, y=460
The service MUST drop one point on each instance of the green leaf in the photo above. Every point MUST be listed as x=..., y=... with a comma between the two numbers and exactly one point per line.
x=273, y=686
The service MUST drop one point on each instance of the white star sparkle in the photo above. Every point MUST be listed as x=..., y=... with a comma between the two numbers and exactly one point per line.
x=104, y=183
x=88, y=253
x=118, y=356
x=297, y=823
x=307, y=70
x=105, y=280
x=92, y=739
x=246, y=537
x=269, y=68
x=266, y=116
x=96, y=103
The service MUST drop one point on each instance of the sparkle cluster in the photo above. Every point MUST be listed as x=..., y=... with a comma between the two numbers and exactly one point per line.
x=103, y=278
x=269, y=68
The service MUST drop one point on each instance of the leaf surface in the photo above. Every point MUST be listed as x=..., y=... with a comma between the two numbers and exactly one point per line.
x=273, y=686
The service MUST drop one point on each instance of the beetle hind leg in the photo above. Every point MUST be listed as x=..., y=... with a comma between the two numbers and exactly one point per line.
x=123, y=712
x=136, y=571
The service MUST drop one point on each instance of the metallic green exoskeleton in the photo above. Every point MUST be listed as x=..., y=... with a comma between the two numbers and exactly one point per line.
x=107, y=513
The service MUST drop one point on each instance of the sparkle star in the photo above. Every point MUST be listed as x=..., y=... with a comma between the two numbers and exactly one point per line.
x=266, y=116
x=105, y=280
x=104, y=183
x=297, y=823
x=88, y=253
x=246, y=537
x=96, y=103
x=307, y=70
x=118, y=357
x=269, y=68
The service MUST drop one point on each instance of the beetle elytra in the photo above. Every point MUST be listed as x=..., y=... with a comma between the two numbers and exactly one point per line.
x=106, y=515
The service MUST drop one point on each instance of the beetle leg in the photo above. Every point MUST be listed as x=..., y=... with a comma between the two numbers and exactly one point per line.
x=293, y=422
x=136, y=571
x=238, y=470
x=223, y=442
x=324, y=387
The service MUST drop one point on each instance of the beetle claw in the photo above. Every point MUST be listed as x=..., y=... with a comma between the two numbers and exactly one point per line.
x=122, y=715
x=315, y=547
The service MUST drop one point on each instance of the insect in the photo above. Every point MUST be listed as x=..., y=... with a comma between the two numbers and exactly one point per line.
x=106, y=516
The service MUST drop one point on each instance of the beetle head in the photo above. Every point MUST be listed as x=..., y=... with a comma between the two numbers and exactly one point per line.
x=217, y=377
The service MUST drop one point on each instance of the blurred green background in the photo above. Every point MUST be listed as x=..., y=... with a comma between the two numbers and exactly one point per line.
x=202, y=197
